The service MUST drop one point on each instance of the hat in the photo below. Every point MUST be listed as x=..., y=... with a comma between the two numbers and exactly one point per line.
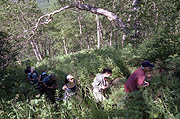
x=69, y=76
x=147, y=64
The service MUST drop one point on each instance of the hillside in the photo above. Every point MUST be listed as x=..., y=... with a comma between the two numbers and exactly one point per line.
x=157, y=101
x=43, y=41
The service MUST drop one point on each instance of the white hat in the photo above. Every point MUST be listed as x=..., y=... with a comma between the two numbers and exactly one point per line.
x=69, y=76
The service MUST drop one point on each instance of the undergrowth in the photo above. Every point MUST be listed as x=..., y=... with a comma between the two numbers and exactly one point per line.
x=20, y=100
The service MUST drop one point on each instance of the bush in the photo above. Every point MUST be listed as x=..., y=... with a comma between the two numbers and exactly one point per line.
x=158, y=101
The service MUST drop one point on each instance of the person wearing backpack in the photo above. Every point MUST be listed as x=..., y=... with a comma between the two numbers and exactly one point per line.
x=50, y=85
x=32, y=75
x=43, y=76
x=100, y=84
x=69, y=87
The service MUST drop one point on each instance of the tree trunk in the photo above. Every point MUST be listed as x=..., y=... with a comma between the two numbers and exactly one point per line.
x=35, y=50
x=116, y=39
x=110, y=39
x=80, y=31
x=49, y=47
x=65, y=48
x=101, y=31
x=98, y=33
x=123, y=39
x=136, y=26
x=87, y=41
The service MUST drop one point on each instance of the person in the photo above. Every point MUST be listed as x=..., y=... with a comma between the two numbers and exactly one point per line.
x=139, y=78
x=69, y=87
x=100, y=83
x=50, y=85
x=41, y=78
x=32, y=75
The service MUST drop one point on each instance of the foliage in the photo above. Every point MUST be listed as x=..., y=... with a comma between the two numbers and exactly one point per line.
x=155, y=39
x=158, y=101
x=161, y=29
x=3, y=50
x=85, y=64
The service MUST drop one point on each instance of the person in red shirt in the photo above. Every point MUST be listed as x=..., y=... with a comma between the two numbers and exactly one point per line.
x=138, y=78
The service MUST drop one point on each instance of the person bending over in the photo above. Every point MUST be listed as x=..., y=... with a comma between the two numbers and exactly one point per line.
x=139, y=78
x=69, y=87
x=100, y=83
x=50, y=87
x=32, y=75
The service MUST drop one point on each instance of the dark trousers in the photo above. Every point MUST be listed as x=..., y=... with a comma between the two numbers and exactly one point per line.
x=50, y=93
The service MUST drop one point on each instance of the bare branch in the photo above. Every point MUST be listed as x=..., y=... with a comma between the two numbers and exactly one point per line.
x=47, y=18
x=111, y=16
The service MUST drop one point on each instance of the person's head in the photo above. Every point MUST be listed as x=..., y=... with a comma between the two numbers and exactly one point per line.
x=27, y=70
x=147, y=67
x=70, y=78
x=53, y=77
x=43, y=72
x=107, y=72
x=32, y=69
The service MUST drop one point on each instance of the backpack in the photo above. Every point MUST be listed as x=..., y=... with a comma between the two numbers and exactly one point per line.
x=43, y=76
x=47, y=78
x=34, y=75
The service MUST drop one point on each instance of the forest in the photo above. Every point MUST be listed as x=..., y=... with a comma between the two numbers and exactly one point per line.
x=82, y=37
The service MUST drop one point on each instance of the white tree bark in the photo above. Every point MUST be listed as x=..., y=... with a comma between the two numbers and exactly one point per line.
x=110, y=40
x=47, y=18
x=98, y=32
x=65, y=48
x=34, y=50
x=123, y=39
x=33, y=44
x=80, y=30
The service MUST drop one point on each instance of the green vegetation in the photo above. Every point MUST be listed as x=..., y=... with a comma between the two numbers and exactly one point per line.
x=160, y=100
x=68, y=45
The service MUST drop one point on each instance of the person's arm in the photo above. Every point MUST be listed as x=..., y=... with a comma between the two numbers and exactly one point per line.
x=145, y=84
x=140, y=82
x=55, y=86
x=64, y=87
x=34, y=77
x=45, y=84
x=29, y=76
x=39, y=78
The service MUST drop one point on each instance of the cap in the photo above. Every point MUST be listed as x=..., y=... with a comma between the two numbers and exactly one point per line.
x=147, y=64
x=69, y=76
